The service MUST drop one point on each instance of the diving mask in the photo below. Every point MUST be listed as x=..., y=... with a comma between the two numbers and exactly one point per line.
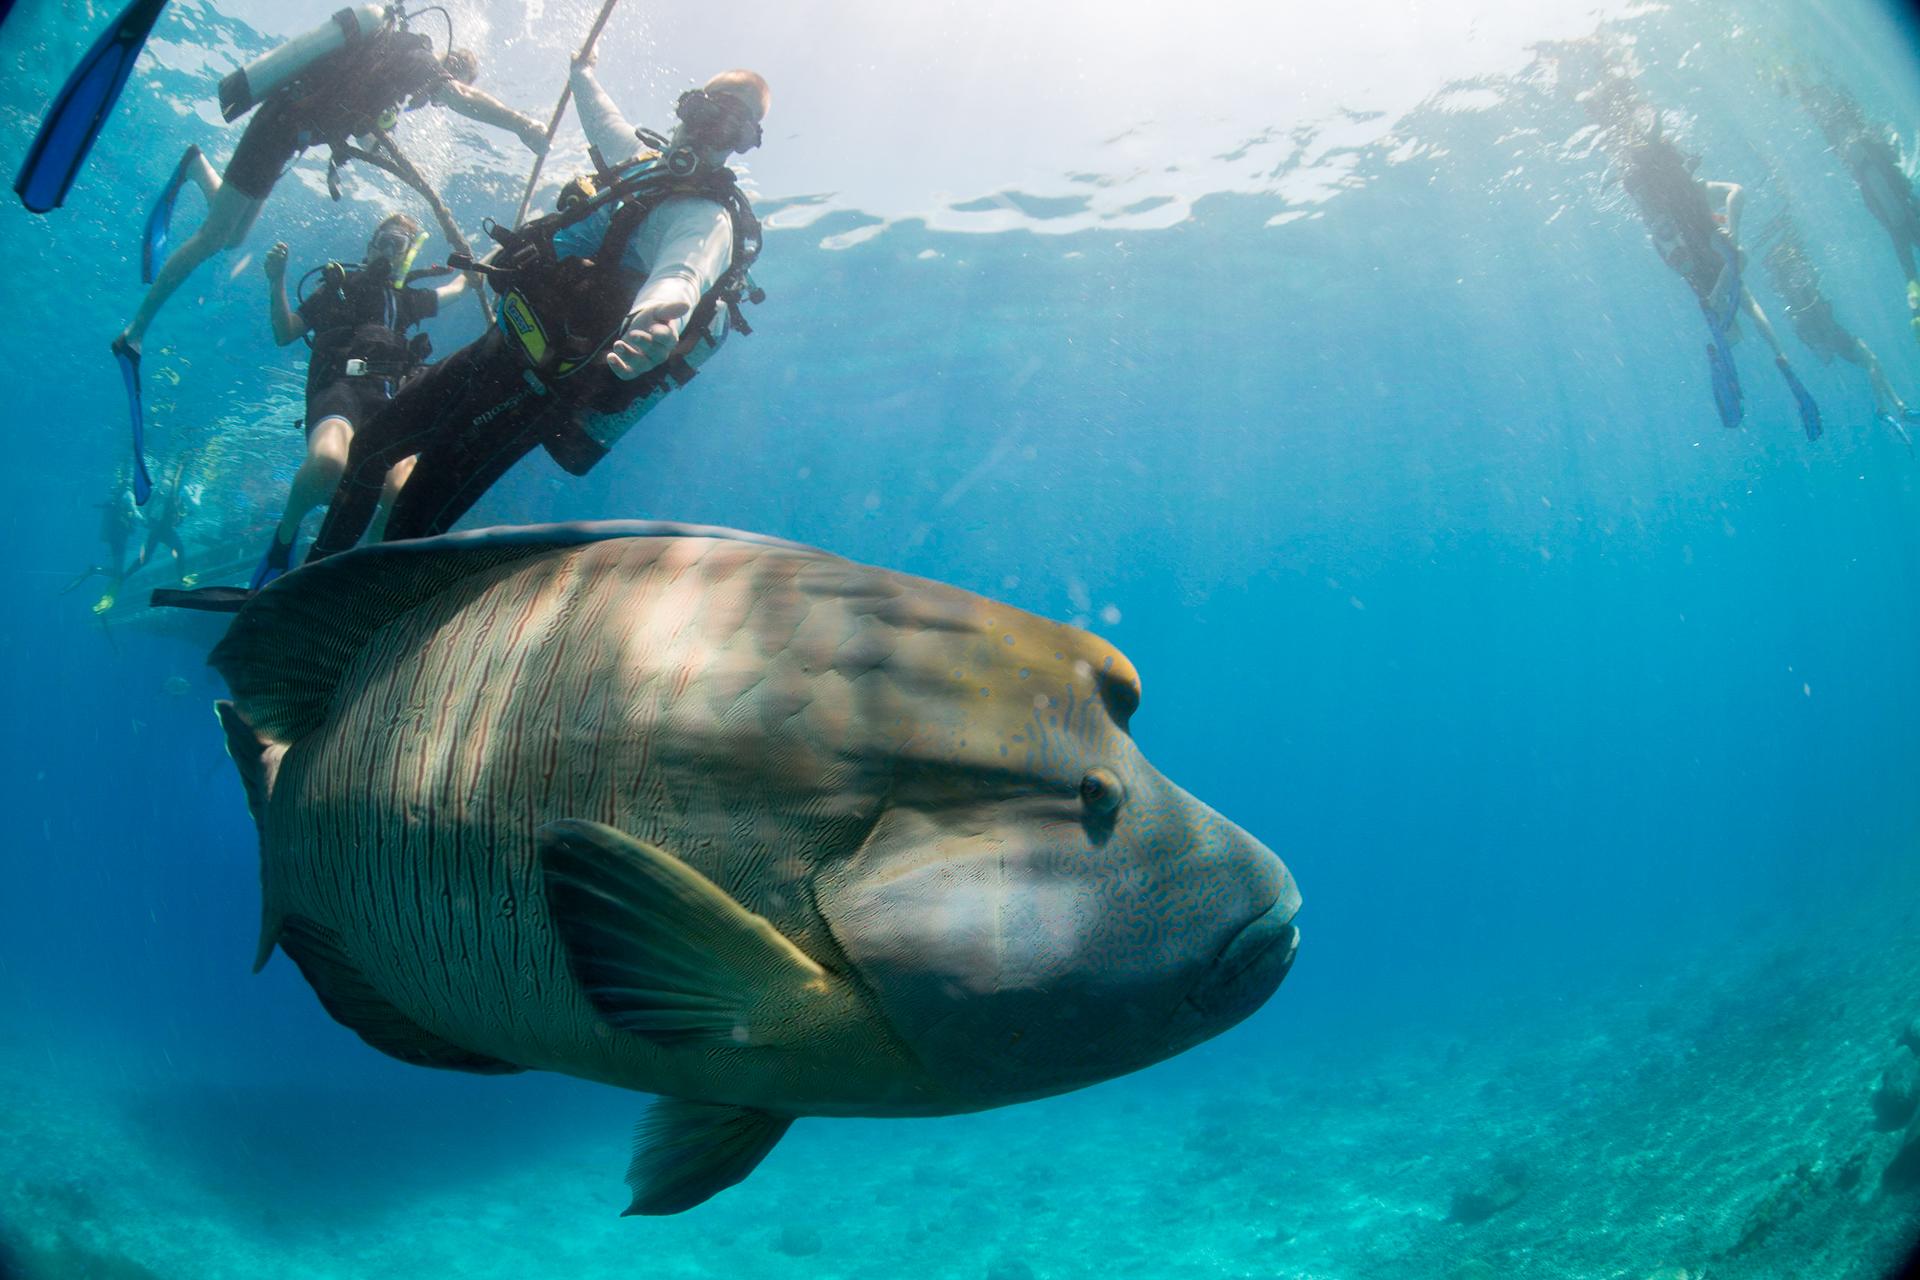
x=397, y=249
x=718, y=120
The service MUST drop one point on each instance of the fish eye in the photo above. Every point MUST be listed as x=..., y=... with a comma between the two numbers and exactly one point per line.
x=1101, y=792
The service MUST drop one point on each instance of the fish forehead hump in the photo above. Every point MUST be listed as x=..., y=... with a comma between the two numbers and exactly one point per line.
x=808, y=661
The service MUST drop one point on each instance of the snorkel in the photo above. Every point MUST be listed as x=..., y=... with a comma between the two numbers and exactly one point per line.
x=398, y=268
x=393, y=248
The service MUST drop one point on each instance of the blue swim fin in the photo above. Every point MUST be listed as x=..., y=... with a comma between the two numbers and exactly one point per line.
x=1809, y=411
x=1727, y=397
x=153, y=246
x=129, y=361
x=82, y=107
x=1895, y=426
x=277, y=563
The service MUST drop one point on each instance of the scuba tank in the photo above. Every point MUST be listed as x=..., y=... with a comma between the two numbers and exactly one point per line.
x=242, y=91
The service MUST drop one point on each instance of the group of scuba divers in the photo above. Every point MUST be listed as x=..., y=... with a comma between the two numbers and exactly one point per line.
x=1695, y=226
x=605, y=305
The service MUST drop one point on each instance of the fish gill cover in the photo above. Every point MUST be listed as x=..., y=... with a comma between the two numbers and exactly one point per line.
x=1325, y=366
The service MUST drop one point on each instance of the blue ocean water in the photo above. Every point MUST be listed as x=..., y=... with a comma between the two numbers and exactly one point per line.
x=1384, y=448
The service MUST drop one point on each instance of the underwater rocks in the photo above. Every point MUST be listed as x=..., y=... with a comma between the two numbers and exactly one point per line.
x=1896, y=1102
x=1787, y=1199
x=1909, y=1037
x=64, y=1257
x=797, y=1241
x=1898, y=1096
x=1489, y=1194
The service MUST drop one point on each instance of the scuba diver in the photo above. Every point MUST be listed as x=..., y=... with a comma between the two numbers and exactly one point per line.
x=356, y=320
x=605, y=307
x=339, y=81
x=118, y=520
x=1695, y=227
x=163, y=526
x=1874, y=161
x=1798, y=284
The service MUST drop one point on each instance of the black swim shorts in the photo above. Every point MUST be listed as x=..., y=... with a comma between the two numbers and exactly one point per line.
x=355, y=399
x=272, y=138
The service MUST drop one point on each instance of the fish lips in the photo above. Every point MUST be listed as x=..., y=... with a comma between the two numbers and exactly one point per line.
x=1251, y=966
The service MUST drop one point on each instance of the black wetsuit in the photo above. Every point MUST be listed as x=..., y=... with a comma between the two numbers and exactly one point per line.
x=1795, y=280
x=356, y=314
x=339, y=97
x=1875, y=167
x=469, y=418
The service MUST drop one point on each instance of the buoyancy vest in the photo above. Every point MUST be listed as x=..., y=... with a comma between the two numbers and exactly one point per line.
x=366, y=337
x=561, y=314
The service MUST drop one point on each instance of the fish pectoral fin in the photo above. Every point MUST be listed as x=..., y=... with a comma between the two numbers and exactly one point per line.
x=661, y=950
x=257, y=759
x=352, y=1001
x=687, y=1152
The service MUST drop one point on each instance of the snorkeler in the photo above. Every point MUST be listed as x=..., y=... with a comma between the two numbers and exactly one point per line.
x=606, y=306
x=1874, y=162
x=340, y=81
x=358, y=317
x=1695, y=226
x=1798, y=284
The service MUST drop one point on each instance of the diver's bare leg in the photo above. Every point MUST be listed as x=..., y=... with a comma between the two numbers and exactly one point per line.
x=1759, y=318
x=204, y=177
x=230, y=213
x=314, y=482
x=396, y=478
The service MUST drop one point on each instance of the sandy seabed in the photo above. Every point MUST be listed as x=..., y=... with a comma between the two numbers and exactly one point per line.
x=1716, y=1122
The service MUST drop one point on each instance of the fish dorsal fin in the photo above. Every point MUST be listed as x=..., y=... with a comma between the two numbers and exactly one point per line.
x=357, y=1005
x=661, y=950
x=686, y=1152
x=286, y=650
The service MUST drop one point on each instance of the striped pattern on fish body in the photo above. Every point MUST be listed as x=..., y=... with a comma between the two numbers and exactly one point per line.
x=733, y=821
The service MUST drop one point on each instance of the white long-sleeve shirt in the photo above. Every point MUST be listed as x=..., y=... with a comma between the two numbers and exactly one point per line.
x=684, y=246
